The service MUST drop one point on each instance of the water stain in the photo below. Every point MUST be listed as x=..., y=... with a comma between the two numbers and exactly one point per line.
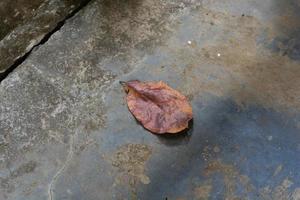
x=230, y=147
x=130, y=160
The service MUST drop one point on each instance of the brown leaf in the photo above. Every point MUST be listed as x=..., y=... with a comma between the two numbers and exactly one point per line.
x=157, y=106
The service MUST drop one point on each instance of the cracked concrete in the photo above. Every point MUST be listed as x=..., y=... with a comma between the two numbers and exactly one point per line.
x=23, y=25
x=62, y=168
x=66, y=133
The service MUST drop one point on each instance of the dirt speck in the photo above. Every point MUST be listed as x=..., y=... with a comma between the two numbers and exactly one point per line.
x=216, y=149
x=210, y=152
x=206, y=153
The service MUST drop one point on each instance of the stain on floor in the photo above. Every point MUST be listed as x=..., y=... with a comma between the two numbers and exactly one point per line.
x=130, y=161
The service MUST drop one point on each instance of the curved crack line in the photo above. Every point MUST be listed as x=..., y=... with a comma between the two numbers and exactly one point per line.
x=63, y=167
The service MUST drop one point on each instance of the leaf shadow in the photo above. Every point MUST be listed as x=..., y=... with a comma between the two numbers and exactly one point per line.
x=181, y=138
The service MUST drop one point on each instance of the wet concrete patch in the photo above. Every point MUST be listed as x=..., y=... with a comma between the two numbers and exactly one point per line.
x=245, y=163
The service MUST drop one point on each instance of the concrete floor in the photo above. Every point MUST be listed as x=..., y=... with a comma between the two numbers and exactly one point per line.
x=66, y=133
x=25, y=24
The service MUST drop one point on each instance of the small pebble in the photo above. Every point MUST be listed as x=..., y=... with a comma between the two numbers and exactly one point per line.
x=189, y=42
x=270, y=138
x=216, y=149
x=219, y=55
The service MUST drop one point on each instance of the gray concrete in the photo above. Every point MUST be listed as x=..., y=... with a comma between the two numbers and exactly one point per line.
x=24, y=23
x=66, y=133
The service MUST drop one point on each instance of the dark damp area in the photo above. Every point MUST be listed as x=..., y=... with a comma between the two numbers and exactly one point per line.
x=227, y=145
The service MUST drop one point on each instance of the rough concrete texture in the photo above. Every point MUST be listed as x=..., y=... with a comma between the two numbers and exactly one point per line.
x=24, y=23
x=66, y=133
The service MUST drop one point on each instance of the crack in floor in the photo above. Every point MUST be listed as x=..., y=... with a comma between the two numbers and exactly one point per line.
x=63, y=167
x=46, y=37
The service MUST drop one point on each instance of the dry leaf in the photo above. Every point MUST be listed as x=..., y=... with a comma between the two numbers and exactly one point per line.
x=157, y=106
